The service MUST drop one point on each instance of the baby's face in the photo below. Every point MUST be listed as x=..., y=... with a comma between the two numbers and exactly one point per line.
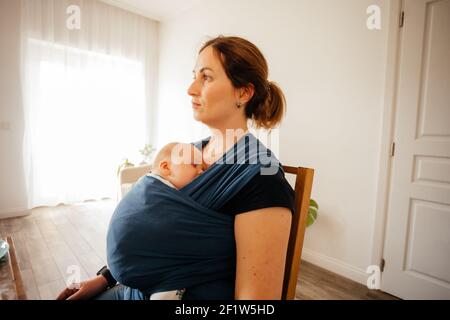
x=184, y=171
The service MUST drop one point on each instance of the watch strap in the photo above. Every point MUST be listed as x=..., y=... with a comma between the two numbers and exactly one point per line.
x=108, y=276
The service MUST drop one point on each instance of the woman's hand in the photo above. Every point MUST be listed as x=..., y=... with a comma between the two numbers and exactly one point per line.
x=87, y=289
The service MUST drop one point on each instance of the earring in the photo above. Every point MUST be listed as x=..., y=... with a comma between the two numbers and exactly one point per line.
x=238, y=104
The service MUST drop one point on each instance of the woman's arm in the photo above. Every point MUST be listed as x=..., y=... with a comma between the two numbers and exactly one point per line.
x=261, y=244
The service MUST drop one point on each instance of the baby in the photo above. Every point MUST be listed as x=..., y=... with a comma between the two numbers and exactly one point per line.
x=176, y=165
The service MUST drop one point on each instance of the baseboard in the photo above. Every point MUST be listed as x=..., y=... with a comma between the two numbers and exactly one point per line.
x=14, y=212
x=334, y=265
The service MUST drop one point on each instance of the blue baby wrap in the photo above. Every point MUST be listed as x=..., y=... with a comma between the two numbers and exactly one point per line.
x=160, y=238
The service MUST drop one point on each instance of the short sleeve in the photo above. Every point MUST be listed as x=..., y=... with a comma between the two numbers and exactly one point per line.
x=262, y=191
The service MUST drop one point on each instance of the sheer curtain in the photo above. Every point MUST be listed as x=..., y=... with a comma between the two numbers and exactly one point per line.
x=88, y=96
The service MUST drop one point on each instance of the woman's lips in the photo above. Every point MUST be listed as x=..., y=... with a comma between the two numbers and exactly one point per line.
x=195, y=105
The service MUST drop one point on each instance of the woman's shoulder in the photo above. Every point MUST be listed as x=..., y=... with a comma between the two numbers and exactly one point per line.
x=271, y=183
x=262, y=191
x=262, y=180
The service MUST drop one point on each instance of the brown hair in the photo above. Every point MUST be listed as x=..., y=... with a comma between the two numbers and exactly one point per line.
x=244, y=64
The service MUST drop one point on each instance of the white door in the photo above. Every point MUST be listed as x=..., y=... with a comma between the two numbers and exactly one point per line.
x=417, y=243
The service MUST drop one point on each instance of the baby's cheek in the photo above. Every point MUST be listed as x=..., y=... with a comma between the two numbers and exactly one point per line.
x=191, y=173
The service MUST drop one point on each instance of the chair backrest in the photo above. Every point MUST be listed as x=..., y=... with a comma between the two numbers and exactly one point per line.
x=303, y=187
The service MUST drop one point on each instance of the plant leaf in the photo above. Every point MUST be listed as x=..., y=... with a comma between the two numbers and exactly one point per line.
x=312, y=212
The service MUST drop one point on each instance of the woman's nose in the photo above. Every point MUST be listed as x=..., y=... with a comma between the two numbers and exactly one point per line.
x=193, y=89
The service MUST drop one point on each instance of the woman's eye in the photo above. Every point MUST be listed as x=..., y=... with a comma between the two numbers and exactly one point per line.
x=204, y=77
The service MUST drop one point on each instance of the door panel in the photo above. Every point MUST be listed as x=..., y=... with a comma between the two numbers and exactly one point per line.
x=417, y=243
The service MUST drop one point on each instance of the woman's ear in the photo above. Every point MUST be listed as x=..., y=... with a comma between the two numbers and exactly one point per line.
x=246, y=93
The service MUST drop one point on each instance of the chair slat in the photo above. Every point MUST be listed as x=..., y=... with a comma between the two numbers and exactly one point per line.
x=303, y=187
x=20, y=289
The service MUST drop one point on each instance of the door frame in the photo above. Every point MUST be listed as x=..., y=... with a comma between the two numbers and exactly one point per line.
x=388, y=129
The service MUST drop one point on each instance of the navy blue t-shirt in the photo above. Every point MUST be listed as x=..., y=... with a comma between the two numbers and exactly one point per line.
x=262, y=191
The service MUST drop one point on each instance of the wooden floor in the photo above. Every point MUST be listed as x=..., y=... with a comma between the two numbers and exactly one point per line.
x=52, y=242
x=315, y=283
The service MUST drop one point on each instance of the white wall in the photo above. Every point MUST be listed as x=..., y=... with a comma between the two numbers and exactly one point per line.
x=12, y=182
x=332, y=70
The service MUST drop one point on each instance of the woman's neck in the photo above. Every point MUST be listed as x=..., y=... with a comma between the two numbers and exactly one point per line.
x=227, y=137
x=221, y=141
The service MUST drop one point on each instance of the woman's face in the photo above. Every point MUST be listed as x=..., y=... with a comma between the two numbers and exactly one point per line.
x=213, y=96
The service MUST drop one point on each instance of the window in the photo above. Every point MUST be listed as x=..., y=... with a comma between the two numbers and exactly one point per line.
x=86, y=112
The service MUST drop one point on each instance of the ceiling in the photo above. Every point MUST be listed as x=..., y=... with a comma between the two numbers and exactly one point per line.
x=154, y=9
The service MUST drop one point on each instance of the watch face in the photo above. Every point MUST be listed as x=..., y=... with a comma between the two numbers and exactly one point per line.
x=99, y=272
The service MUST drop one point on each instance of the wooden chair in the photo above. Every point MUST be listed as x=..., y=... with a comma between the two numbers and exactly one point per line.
x=303, y=187
x=11, y=285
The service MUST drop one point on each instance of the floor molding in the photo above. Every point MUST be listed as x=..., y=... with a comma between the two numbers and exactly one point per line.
x=14, y=212
x=334, y=265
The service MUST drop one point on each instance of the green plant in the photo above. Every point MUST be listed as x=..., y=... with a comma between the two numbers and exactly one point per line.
x=312, y=212
x=146, y=152
x=125, y=164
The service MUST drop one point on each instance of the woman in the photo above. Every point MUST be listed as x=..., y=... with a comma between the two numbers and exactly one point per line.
x=230, y=86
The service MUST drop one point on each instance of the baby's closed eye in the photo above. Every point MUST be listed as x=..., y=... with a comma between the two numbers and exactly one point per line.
x=199, y=168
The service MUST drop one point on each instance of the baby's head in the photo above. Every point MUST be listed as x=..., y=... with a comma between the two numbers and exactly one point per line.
x=178, y=163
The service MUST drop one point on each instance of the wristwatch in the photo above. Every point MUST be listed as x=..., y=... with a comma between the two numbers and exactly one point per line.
x=104, y=271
